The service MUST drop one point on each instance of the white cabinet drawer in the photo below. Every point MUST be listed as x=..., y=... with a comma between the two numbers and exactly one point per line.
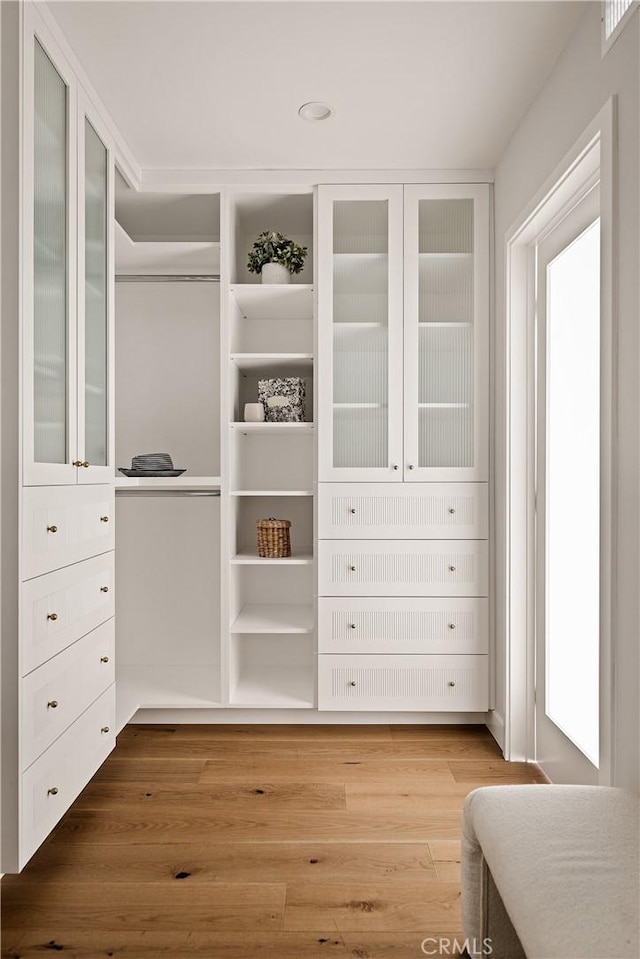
x=64, y=525
x=55, y=694
x=51, y=784
x=60, y=607
x=447, y=626
x=403, y=568
x=404, y=683
x=399, y=511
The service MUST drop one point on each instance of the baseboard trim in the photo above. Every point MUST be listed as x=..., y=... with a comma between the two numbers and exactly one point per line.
x=300, y=717
x=494, y=722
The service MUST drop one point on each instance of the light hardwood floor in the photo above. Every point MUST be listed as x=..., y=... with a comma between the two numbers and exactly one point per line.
x=269, y=842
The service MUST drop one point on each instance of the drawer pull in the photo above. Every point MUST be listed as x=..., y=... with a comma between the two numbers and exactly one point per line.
x=104, y=519
x=52, y=617
x=395, y=466
x=52, y=529
x=105, y=729
x=104, y=659
x=411, y=466
x=352, y=568
x=53, y=791
x=452, y=569
x=352, y=510
x=353, y=625
x=451, y=682
x=52, y=704
x=104, y=589
x=452, y=510
x=452, y=625
x=352, y=682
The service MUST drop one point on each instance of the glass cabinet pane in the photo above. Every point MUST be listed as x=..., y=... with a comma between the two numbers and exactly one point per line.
x=50, y=299
x=445, y=335
x=96, y=299
x=360, y=333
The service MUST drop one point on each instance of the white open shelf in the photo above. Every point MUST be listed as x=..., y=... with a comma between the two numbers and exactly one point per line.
x=273, y=428
x=281, y=686
x=284, y=362
x=165, y=257
x=277, y=301
x=164, y=687
x=271, y=492
x=276, y=618
x=299, y=558
x=171, y=482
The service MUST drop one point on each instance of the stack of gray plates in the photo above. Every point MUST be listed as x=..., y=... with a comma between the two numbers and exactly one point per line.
x=151, y=464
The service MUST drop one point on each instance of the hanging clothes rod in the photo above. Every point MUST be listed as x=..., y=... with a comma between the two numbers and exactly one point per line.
x=167, y=492
x=167, y=278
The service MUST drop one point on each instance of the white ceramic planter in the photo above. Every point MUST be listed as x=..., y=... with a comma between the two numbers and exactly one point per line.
x=275, y=273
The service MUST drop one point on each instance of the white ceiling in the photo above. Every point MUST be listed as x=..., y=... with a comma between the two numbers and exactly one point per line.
x=217, y=85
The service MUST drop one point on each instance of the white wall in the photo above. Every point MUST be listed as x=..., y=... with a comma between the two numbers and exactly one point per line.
x=579, y=85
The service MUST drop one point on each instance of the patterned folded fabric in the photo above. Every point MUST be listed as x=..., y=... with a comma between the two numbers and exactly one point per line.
x=152, y=461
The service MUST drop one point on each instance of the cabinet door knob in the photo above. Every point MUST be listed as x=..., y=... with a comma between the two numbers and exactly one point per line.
x=452, y=569
x=353, y=625
x=452, y=510
x=53, y=791
x=85, y=464
x=104, y=519
x=104, y=589
x=104, y=659
x=52, y=704
x=52, y=617
x=352, y=568
x=451, y=682
x=105, y=729
x=352, y=510
x=352, y=682
x=452, y=625
x=52, y=529
x=77, y=462
x=411, y=466
x=395, y=466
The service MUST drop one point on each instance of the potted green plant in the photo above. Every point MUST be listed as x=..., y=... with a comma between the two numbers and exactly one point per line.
x=275, y=257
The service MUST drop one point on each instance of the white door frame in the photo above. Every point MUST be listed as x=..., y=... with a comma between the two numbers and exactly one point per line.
x=591, y=159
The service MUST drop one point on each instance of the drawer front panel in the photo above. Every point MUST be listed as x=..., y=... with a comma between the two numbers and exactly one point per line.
x=418, y=511
x=52, y=783
x=55, y=694
x=64, y=525
x=404, y=683
x=403, y=568
x=60, y=607
x=446, y=626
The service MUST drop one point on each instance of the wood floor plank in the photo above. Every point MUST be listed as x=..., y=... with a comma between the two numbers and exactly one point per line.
x=406, y=795
x=172, y=769
x=384, y=945
x=370, y=907
x=483, y=773
x=312, y=750
x=448, y=871
x=113, y=795
x=439, y=732
x=135, y=906
x=168, y=824
x=326, y=770
x=229, y=862
x=285, y=733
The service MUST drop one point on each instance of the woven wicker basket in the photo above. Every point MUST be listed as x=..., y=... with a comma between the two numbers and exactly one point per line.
x=274, y=541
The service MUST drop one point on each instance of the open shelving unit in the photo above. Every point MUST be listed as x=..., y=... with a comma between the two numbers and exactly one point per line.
x=268, y=611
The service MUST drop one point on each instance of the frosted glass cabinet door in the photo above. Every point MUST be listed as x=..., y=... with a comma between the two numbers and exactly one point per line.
x=446, y=332
x=95, y=304
x=360, y=332
x=49, y=269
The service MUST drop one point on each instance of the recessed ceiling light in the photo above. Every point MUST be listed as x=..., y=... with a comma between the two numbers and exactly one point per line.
x=314, y=110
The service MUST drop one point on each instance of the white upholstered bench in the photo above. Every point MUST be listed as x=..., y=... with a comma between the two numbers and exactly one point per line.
x=551, y=872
